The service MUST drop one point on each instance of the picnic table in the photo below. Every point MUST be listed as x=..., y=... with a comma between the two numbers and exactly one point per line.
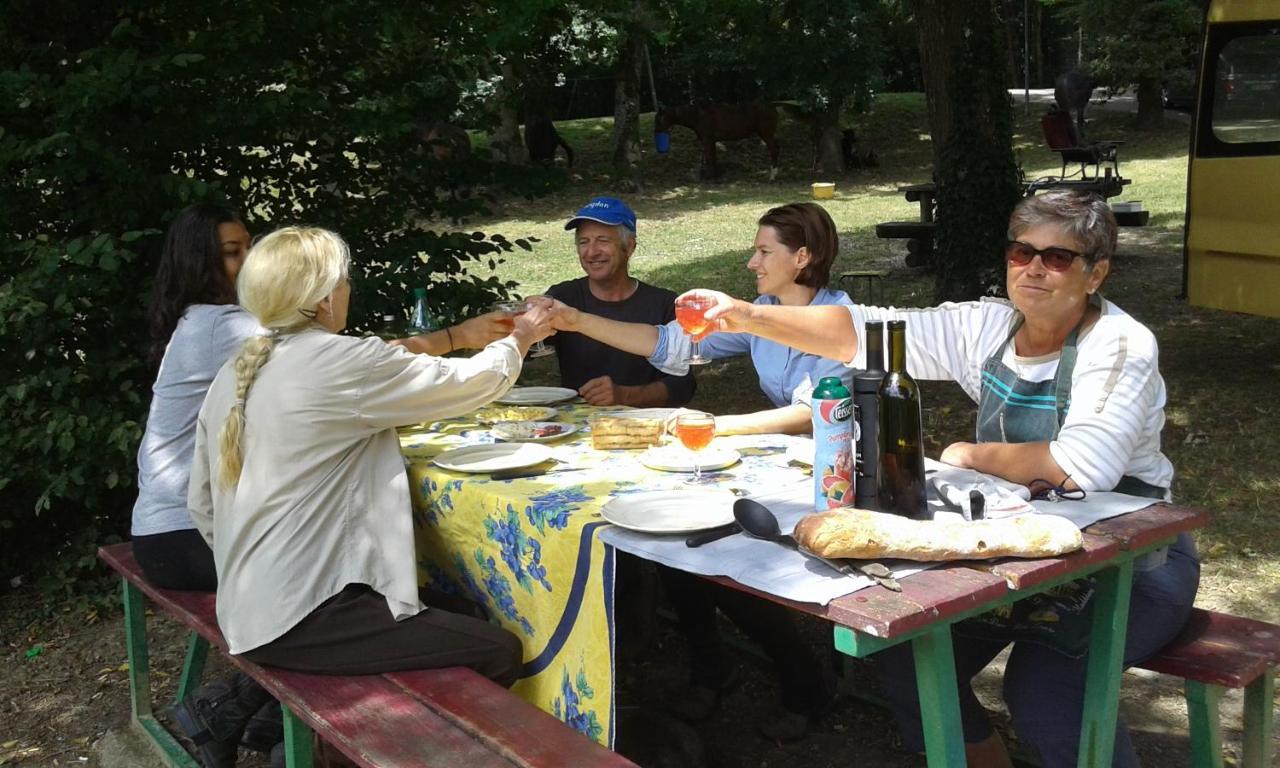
x=918, y=233
x=531, y=550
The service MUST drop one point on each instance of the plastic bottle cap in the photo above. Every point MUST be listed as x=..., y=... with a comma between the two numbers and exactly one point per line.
x=420, y=293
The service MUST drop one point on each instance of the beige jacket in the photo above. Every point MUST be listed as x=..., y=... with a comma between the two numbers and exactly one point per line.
x=323, y=500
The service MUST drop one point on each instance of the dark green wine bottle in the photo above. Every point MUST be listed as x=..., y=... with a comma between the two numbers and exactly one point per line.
x=901, y=489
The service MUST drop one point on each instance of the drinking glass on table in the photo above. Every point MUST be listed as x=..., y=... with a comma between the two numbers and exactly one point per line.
x=513, y=309
x=691, y=313
x=695, y=432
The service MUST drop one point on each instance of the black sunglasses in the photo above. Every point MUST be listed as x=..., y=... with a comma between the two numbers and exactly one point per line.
x=1020, y=254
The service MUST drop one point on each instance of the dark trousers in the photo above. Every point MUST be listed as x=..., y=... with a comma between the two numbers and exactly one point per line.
x=1043, y=688
x=177, y=560
x=353, y=633
x=803, y=683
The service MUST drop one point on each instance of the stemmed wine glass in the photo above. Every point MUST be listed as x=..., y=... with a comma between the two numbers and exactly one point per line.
x=691, y=313
x=515, y=308
x=695, y=431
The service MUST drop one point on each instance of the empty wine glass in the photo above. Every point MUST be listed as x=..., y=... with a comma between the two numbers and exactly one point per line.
x=691, y=313
x=695, y=431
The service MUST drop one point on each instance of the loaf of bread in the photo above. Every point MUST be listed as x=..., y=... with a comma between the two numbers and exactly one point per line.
x=864, y=535
x=616, y=431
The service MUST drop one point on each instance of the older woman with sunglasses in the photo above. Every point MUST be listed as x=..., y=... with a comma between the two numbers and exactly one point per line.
x=1068, y=391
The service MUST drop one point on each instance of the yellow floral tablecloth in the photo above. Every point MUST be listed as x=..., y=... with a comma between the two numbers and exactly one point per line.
x=527, y=550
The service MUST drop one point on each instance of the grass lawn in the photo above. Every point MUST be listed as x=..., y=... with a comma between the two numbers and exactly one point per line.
x=1220, y=368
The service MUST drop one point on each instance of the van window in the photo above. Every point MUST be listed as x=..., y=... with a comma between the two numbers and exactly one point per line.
x=1246, y=98
x=1240, y=91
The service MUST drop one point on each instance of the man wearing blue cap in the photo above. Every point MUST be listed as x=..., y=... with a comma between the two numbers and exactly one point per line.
x=605, y=235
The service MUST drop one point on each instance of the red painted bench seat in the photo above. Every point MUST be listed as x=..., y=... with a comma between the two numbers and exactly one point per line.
x=444, y=717
x=1216, y=651
x=1217, y=648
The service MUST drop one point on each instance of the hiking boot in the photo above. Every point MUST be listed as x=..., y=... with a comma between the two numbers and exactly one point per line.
x=214, y=717
x=323, y=755
x=265, y=729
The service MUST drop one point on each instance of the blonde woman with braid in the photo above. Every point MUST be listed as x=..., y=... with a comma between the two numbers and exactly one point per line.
x=299, y=486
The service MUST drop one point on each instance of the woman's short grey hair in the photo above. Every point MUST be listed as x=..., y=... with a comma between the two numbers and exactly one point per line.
x=1087, y=219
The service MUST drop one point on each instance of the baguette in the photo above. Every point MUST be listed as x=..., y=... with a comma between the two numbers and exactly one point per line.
x=865, y=535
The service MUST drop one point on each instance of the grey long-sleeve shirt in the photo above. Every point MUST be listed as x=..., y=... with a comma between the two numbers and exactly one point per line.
x=205, y=337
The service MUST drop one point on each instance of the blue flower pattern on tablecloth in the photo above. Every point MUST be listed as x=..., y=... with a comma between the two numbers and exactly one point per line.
x=553, y=509
x=441, y=581
x=514, y=547
x=498, y=588
x=568, y=707
x=439, y=499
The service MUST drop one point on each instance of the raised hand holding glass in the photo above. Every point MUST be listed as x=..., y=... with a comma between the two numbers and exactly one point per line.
x=691, y=313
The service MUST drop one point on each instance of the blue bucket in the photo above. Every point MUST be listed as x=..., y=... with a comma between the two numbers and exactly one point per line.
x=662, y=142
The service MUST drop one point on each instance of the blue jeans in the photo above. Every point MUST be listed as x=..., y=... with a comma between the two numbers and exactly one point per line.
x=1043, y=688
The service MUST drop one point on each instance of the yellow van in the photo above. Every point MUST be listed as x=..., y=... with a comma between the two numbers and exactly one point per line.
x=1232, y=248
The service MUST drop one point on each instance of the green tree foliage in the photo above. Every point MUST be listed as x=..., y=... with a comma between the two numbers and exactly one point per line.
x=1139, y=42
x=289, y=111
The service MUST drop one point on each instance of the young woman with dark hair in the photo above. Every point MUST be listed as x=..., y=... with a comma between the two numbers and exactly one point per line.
x=195, y=327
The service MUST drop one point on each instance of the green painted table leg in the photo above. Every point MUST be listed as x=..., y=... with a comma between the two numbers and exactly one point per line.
x=939, y=697
x=193, y=667
x=135, y=637
x=297, y=741
x=1259, y=719
x=1203, y=714
x=1106, y=665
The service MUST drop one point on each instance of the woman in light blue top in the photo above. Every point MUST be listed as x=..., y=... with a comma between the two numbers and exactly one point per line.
x=794, y=248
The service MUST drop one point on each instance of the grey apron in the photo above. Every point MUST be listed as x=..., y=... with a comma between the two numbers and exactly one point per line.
x=1013, y=410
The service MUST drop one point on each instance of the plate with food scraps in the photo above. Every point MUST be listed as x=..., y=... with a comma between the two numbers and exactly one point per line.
x=492, y=456
x=496, y=414
x=532, y=431
x=537, y=395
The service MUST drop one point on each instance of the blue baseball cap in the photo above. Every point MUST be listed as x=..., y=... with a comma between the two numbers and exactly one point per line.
x=606, y=210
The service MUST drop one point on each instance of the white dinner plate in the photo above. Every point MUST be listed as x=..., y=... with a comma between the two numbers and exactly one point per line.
x=537, y=395
x=676, y=458
x=493, y=456
x=801, y=452
x=693, y=509
x=533, y=431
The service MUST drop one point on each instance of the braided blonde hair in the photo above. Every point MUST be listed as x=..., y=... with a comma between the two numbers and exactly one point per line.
x=284, y=276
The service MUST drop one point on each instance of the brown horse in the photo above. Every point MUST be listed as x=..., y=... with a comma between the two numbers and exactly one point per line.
x=445, y=141
x=723, y=122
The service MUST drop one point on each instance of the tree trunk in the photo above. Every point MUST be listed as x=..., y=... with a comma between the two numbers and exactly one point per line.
x=505, y=142
x=962, y=60
x=828, y=144
x=1150, y=104
x=626, y=102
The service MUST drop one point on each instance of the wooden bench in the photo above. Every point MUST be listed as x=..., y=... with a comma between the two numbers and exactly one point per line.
x=1216, y=652
x=918, y=234
x=444, y=717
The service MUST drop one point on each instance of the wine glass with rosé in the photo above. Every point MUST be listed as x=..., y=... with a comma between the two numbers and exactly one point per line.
x=691, y=313
x=513, y=309
x=695, y=432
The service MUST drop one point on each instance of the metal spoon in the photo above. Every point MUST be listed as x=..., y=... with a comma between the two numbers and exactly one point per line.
x=756, y=520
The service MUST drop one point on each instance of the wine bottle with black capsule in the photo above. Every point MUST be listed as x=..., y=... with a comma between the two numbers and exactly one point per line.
x=901, y=486
x=866, y=400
